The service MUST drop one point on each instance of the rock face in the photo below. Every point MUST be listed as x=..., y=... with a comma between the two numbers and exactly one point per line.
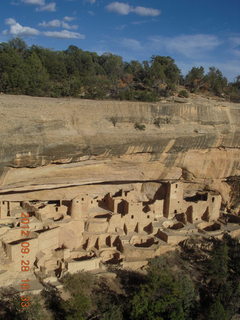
x=93, y=188
x=60, y=143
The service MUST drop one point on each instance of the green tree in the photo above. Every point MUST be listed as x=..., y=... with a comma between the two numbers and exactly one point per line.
x=195, y=79
x=37, y=76
x=163, y=297
x=77, y=307
x=18, y=45
x=13, y=76
x=216, y=311
x=216, y=81
x=217, y=268
x=233, y=90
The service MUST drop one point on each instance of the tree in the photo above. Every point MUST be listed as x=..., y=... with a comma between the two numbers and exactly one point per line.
x=163, y=297
x=165, y=69
x=216, y=81
x=195, y=79
x=233, y=90
x=163, y=75
x=113, y=65
x=37, y=76
x=216, y=311
x=77, y=307
x=18, y=45
x=13, y=76
x=218, y=265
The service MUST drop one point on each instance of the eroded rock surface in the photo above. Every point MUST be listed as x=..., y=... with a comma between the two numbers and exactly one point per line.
x=54, y=143
x=96, y=190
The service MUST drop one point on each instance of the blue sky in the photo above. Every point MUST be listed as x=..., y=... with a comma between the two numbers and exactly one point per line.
x=193, y=32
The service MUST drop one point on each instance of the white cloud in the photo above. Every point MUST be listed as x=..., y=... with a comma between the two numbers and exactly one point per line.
x=42, y=5
x=16, y=29
x=235, y=41
x=64, y=34
x=36, y=2
x=235, y=46
x=119, y=7
x=10, y=21
x=132, y=44
x=53, y=23
x=142, y=11
x=57, y=24
x=187, y=45
x=125, y=9
x=69, y=19
x=65, y=25
x=48, y=7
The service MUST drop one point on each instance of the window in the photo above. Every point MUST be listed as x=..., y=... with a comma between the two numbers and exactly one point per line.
x=132, y=217
x=213, y=199
x=176, y=186
x=175, y=211
x=148, y=216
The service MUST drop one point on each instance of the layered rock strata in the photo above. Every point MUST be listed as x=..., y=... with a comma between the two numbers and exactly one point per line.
x=99, y=189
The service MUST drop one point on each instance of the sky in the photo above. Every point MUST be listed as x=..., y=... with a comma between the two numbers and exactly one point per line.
x=193, y=32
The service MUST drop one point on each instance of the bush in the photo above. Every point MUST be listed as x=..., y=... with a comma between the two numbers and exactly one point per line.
x=113, y=120
x=157, y=122
x=139, y=126
x=146, y=96
x=166, y=295
x=183, y=94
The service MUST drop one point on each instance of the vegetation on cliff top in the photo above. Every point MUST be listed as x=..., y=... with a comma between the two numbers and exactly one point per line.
x=73, y=72
x=200, y=281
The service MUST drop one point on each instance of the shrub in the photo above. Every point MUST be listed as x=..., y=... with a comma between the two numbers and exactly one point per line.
x=146, y=96
x=166, y=295
x=183, y=94
x=157, y=122
x=139, y=126
x=114, y=121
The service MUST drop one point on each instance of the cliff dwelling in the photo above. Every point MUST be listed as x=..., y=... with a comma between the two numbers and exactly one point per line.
x=84, y=195
x=124, y=228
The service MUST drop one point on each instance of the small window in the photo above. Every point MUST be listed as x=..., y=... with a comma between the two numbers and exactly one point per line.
x=213, y=199
x=132, y=217
x=56, y=209
x=91, y=201
x=176, y=186
x=3, y=202
x=175, y=211
x=82, y=199
x=148, y=216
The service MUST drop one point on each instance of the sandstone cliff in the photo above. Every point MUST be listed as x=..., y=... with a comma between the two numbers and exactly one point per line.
x=61, y=144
